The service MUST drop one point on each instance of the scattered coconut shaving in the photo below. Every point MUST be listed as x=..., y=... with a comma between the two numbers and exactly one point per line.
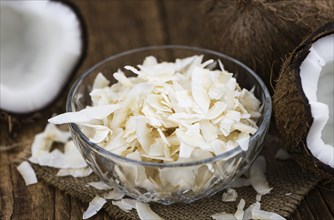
x=99, y=185
x=69, y=161
x=27, y=172
x=125, y=204
x=252, y=212
x=223, y=216
x=94, y=206
x=115, y=194
x=258, y=197
x=257, y=178
x=40, y=148
x=230, y=195
x=75, y=172
x=145, y=212
x=239, y=214
x=249, y=210
x=258, y=181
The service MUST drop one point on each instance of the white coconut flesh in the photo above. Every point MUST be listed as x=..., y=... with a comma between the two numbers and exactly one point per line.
x=316, y=72
x=40, y=44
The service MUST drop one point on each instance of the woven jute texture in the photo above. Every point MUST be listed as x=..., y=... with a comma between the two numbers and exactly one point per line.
x=290, y=184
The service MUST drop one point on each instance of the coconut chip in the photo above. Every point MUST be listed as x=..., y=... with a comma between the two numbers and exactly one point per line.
x=94, y=206
x=249, y=210
x=145, y=212
x=99, y=185
x=258, y=197
x=96, y=133
x=42, y=144
x=125, y=204
x=254, y=212
x=239, y=214
x=115, y=194
x=243, y=143
x=100, y=81
x=230, y=195
x=27, y=172
x=121, y=78
x=257, y=178
x=199, y=86
x=85, y=115
x=75, y=172
x=223, y=216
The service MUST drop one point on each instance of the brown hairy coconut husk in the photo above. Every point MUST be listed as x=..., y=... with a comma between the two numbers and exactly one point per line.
x=261, y=32
x=294, y=110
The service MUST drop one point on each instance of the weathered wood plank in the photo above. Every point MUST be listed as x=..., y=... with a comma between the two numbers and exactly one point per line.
x=304, y=211
x=76, y=209
x=327, y=195
x=182, y=21
x=6, y=188
x=317, y=205
x=295, y=215
x=116, y=26
x=63, y=206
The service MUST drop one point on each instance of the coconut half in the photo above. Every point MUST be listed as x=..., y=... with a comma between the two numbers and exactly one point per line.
x=303, y=101
x=41, y=44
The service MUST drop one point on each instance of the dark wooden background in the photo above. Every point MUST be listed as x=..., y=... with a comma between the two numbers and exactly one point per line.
x=113, y=27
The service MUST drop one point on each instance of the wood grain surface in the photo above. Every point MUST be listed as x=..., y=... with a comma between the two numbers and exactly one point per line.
x=113, y=26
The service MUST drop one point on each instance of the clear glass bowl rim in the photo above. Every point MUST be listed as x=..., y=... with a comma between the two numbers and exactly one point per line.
x=261, y=129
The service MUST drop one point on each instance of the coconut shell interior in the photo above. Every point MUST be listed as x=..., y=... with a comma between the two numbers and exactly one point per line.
x=291, y=107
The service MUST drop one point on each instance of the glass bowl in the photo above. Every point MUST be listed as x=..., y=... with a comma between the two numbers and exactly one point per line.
x=208, y=176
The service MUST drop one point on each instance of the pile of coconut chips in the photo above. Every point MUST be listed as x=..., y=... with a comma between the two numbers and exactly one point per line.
x=169, y=112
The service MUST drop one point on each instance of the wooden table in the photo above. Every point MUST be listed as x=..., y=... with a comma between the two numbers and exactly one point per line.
x=113, y=26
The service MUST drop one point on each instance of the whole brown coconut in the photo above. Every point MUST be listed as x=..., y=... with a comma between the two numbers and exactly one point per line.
x=261, y=32
x=293, y=108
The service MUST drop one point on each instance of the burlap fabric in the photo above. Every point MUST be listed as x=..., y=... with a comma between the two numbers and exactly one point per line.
x=290, y=184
